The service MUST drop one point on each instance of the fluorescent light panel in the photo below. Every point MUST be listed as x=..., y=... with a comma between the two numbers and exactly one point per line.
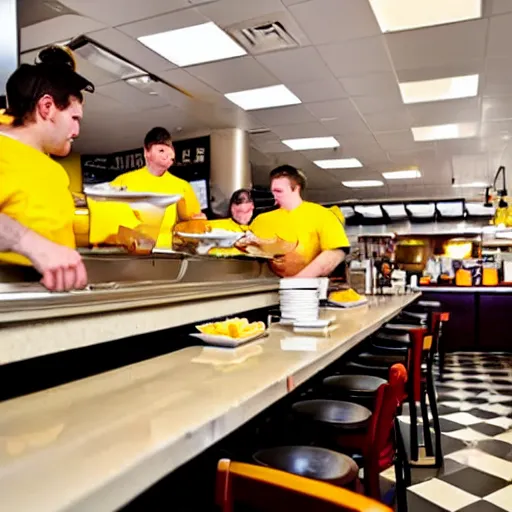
x=445, y=131
x=394, y=15
x=439, y=89
x=402, y=175
x=311, y=143
x=193, y=45
x=369, y=212
x=264, y=97
x=362, y=183
x=338, y=163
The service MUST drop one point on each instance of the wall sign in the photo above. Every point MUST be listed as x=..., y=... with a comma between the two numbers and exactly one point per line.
x=102, y=168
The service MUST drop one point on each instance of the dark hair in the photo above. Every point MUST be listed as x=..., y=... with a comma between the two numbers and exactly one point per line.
x=157, y=135
x=240, y=196
x=295, y=176
x=54, y=75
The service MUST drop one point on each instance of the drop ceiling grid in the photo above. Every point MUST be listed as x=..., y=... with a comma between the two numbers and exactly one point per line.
x=346, y=76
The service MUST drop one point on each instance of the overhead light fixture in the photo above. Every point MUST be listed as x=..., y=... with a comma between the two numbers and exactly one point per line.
x=423, y=211
x=439, y=89
x=471, y=184
x=369, y=212
x=263, y=97
x=395, y=211
x=394, y=15
x=103, y=58
x=311, y=143
x=450, y=208
x=193, y=45
x=402, y=175
x=338, y=163
x=362, y=183
x=144, y=83
x=445, y=131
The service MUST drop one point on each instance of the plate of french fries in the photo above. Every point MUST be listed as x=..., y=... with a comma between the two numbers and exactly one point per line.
x=231, y=332
x=346, y=299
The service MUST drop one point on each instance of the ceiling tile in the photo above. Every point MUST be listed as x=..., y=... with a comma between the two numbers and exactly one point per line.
x=412, y=157
x=56, y=30
x=192, y=85
x=164, y=23
x=371, y=57
x=319, y=90
x=461, y=68
x=131, y=97
x=116, y=12
x=498, y=77
x=389, y=120
x=500, y=36
x=438, y=46
x=293, y=2
x=373, y=84
x=501, y=128
x=131, y=50
x=345, y=126
x=295, y=66
x=325, y=21
x=229, y=12
x=294, y=131
x=396, y=141
x=284, y=115
x=376, y=104
x=233, y=75
x=494, y=109
x=461, y=147
x=443, y=112
x=333, y=109
x=501, y=6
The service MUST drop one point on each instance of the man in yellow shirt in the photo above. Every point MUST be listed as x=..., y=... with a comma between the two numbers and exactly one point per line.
x=321, y=238
x=36, y=206
x=154, y=177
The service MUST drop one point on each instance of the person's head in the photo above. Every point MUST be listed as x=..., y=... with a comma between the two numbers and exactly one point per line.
x=241, y=206
x=46, y=99
x=287, y=184
x=158, y=150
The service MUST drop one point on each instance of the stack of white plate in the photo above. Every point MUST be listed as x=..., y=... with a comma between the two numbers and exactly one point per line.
x=299, y=299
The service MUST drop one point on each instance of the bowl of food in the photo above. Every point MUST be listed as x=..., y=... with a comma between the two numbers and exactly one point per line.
x=231, y=332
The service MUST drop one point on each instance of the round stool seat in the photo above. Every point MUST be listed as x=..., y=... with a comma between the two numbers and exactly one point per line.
x=346, y=415
x=375, y=370
x=356, y=384
x=310, y=462
x=379, y=359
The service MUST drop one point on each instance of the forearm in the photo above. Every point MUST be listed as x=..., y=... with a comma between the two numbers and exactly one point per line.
x=11, y=234
x=323, y=264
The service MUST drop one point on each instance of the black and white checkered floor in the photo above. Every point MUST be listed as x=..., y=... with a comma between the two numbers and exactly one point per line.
x=475, y=409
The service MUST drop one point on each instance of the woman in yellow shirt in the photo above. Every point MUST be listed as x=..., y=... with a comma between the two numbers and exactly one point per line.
x=241, y=211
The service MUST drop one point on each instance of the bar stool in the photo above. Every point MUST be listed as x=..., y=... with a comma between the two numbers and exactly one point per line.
x=264, y=489
x=360, y=389
x=311, y=462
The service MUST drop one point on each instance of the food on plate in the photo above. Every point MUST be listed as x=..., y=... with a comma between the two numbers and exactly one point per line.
x=134, y=240
x=233, y=327
x=265, y=248
x=196, y=227
x=349, y=295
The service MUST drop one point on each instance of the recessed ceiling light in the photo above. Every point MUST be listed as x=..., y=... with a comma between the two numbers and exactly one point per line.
x=264, y=97
x=311, y=143
x=472, y=184
x=439, y=89
x=338, y=163
x=193, y=45
x=362, y=183
x=393, y=15
x=402, y=175
x=444, y=131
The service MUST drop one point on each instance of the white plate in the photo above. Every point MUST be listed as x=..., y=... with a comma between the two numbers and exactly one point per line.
x=111, y=194
x=354, y=304
x=294, y=283
x=312, y=324
x=214, y=235
x=226, y=341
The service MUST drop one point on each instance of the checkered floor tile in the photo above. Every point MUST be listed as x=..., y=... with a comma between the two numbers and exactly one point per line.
x=475, y=409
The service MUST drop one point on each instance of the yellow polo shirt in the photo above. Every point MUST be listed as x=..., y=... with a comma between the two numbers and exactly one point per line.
x=142, y=180
x=315, y=228
x=34, y=190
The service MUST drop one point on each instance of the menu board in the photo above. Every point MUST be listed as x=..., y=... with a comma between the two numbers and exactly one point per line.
x=102, y=168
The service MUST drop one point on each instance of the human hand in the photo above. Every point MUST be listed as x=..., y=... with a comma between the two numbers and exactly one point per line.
x=62, y=268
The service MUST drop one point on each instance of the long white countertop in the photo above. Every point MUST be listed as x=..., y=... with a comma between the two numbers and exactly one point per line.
x=95, y=444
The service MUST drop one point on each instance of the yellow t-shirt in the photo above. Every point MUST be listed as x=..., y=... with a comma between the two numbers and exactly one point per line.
x=314, y=227
x=142, y=180
x=228, y=225
x=34, y=190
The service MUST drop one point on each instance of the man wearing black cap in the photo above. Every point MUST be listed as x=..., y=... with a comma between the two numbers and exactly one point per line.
x=36, y=206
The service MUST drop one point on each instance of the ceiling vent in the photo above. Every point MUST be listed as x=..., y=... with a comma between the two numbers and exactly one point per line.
x=276, y=32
